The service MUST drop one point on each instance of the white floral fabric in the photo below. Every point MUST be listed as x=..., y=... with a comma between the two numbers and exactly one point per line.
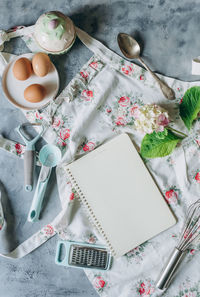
x=98, y=104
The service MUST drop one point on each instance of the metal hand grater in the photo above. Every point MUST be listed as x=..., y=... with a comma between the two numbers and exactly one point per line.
x=81, y=255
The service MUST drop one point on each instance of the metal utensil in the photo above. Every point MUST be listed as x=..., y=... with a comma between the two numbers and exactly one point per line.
x=83, y=255
x=190, y=233
x=131, y=50
x=49, y=156
x=29, y=155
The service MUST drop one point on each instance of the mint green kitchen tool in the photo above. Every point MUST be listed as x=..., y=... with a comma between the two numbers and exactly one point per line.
x=49, y=156
x=29, y=155
x=83, y=255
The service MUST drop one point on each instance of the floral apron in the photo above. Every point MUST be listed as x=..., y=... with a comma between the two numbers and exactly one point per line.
x=99, y=103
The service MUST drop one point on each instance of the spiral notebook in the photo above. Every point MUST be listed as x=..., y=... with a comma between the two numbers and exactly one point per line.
x=119, y=195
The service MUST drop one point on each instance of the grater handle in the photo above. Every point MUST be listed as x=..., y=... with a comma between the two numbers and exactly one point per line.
x=169, y=269
x=59, y=248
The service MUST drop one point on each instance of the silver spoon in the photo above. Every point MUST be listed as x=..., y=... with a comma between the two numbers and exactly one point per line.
x=131, y=50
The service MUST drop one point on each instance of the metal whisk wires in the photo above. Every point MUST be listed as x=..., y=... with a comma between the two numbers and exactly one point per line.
x=191, y=228
x=191, y=231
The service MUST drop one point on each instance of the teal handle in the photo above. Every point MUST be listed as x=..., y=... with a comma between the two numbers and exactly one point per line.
x=59, y=249
x=36, y=205
x=30, y=144
x=66, y=245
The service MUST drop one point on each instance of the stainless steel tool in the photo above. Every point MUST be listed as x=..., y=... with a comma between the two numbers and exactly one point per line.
x=29, y=155
x=190, y=233
x=131, y=50
x=83, y=255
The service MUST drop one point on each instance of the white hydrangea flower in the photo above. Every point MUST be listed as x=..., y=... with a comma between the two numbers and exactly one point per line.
x=150, y=118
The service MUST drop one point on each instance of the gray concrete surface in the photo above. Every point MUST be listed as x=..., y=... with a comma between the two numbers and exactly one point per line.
x=169, y=33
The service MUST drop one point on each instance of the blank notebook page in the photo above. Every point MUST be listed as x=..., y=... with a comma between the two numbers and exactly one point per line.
x=120, y=195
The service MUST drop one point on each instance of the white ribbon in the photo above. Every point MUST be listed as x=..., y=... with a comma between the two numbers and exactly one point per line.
x=18, y=31
x=3, y=37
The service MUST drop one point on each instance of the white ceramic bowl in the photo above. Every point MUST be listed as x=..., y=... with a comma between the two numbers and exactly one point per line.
x=14, y=89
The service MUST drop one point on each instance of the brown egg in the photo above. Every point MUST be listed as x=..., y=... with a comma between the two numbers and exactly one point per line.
x=34, y=93
x=22, y=69
x=41, y=64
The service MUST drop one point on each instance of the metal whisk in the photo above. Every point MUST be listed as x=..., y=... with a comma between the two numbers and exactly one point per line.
x=190, y=232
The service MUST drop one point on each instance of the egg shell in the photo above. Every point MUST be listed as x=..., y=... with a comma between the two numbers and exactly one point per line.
x=34, y=93
x=41, y=64
x=22, y=69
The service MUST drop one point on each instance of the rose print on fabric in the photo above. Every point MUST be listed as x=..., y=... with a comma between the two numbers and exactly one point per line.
x=61, y=125
x=188, y=289
x=64, y=133
x=120, y=121
x=61, y=144
x=97, y=64
x=197, y=177
x=94, y=65
x=99, y=283
x=170, y=161
x=49, y=230
x=132, y=70
x=145, y=288
x=73, y=195
x=38, y=116
x=124, y=101
x=124, y=111
x=90, y=238
x=87, y=95
x=15, y=28
x=128, y=70
x=88, y=72
x=84, y=74
x=89, y=146
x=12, y=147
x=134, y=111
x=181, y=100
x=192, y=251
x=57, y=123
x=179, y=92
x=173, y=195
x=141, y=77
x=19, y=148
x=34, y=116
x=136, y=254
x=197, y=142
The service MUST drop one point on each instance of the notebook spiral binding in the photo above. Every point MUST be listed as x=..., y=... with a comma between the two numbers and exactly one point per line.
x=91, y=216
